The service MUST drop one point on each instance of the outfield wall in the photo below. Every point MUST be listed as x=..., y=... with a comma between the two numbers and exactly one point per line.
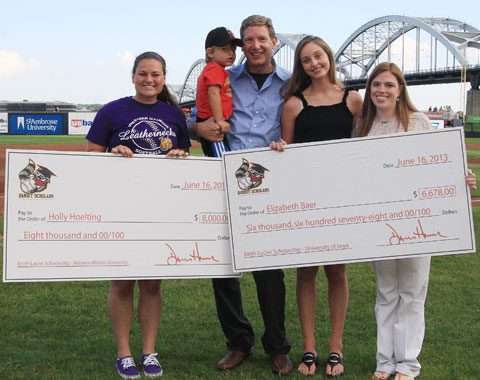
x=56, y=123
x=79, y=123
x=3, y=122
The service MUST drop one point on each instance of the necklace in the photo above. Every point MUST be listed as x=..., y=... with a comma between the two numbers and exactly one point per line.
x=386, y=121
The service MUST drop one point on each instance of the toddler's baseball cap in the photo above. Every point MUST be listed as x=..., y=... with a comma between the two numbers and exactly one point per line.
x=220, y=37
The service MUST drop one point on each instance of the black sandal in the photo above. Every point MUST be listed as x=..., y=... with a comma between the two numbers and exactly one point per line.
x=335, y=359
x=308, y=359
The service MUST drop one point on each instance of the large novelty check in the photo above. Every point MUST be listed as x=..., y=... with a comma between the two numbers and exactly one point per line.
x=349, y=200
x=87, y=216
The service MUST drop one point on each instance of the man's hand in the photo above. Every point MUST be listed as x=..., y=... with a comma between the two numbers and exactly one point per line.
x=209, y=130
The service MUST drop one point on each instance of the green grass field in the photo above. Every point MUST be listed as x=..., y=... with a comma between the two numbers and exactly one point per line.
x=472, y=140
x=26, y=139
x=61, y=331
x=54, y=331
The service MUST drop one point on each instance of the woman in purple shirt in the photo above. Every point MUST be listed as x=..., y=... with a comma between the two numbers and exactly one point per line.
x=150, y=122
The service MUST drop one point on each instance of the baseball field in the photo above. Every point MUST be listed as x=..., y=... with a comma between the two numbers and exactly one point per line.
x=57, y=331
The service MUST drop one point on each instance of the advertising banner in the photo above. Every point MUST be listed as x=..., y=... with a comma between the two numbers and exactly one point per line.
x=473, y=118
x=3, y=122
x=438, y=124
x=35, y=124
x=79, y=123
x=437, y=119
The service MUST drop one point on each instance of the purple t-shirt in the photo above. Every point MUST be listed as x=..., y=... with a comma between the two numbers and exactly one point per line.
x=144, y=128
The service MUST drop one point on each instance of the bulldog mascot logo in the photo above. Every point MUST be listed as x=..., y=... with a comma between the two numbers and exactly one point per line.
x=250, y=175
x=34, y=178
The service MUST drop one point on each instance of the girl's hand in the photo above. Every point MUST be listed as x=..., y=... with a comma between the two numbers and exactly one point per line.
x=123, y=150
x=278, y=146
x=471, y=180
x=177, y=153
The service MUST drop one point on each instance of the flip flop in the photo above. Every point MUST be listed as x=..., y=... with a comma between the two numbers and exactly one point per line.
x=380, y=375
x=401, y=376
x=335, y=359
x=308, y=359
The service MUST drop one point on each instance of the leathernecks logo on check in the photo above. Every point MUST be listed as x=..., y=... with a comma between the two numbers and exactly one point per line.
x=250, y=176
x=34, y=179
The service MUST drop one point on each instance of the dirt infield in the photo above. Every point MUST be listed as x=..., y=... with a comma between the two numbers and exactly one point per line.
x=63, y=148
x=473, y=146
x=3, y=148
x=473, y=160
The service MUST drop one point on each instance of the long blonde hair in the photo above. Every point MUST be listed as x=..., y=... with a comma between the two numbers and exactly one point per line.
x=404, y=105
x=299, y=80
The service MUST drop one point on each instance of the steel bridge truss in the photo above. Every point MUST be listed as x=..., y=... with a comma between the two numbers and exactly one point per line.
x=362, y=50
x=383, y=38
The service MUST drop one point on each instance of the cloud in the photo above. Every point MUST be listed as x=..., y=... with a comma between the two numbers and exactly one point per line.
x=12, y=63
x=103, y=62
x=125, y=58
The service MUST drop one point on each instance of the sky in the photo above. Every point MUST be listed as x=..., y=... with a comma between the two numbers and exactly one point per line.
x=83, y=51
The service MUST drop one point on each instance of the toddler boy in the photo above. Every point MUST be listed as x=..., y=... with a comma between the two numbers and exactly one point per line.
x=214, y=96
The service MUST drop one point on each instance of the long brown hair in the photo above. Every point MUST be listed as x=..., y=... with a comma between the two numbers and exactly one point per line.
x=299, y=80
x=164, y=95
x=404, y=105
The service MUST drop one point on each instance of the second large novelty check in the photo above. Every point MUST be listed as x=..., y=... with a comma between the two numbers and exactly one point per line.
x=349, y=200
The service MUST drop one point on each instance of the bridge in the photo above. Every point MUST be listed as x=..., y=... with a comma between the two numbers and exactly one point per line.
x=427, y=50
x=424, y=77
